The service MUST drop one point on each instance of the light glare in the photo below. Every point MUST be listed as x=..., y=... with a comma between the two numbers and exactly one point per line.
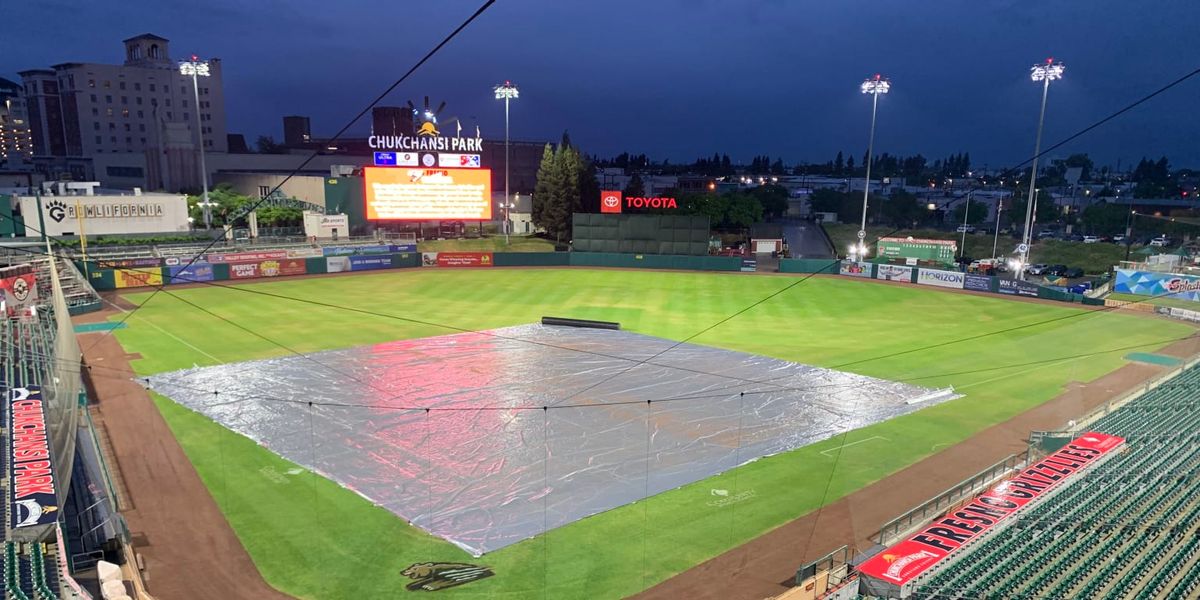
x=1049, y=71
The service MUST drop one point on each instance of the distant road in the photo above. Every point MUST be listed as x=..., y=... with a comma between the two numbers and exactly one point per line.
x=805, y=240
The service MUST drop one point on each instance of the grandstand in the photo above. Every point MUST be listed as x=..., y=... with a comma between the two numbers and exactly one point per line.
x=46, y=484
x=1125, y=529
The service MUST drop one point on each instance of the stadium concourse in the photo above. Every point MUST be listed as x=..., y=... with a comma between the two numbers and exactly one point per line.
x=60, y=517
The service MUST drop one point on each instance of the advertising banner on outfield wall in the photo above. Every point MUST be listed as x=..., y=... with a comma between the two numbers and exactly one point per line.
x=456, y=259
x=268, y=268
x=1015, y=287
x=906, y=560
x=1149, y=283
x=129, y=278
x=337, y=264
x=855, y=268
x=200, y=271
x=946, y=279
x=371, y=249
x=979, y=283
x=131, y=262
x=31, y=485
x=247, y=256
x=894, y=273
x=367, y=263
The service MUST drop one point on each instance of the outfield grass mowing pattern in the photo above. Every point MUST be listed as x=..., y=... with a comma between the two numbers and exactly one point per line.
x=312, y=539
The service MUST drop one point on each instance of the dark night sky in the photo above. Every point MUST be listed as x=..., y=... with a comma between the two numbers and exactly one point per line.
x=682, y=78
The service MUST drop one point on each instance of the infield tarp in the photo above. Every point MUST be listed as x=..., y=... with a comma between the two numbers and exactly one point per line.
x=485, y=479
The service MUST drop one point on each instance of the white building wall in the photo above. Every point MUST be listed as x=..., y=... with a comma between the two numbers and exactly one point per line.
x=106, y=214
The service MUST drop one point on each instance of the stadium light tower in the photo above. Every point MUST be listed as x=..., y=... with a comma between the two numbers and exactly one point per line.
x=506, y=91
x=875, y=86
x=199, y=68
x=1044, y=73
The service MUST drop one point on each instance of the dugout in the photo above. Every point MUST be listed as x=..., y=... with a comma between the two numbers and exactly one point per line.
x=681, y=235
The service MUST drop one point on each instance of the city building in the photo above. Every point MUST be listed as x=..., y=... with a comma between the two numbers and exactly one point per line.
x=16, y=140
x=144, y=106
x=297, y=130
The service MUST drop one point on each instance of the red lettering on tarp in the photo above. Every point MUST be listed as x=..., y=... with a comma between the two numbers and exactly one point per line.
x=920, y=552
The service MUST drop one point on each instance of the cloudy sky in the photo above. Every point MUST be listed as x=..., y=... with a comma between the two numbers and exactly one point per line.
x=682, y=78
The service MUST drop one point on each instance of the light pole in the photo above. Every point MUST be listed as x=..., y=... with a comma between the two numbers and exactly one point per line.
x=1045, y=73
x=996, y=236
x=966, y=212
x=199, y=68
x=875, y=86
x=506, y=91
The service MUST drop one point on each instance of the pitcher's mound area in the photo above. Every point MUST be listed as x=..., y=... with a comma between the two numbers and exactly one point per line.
x=489, y=438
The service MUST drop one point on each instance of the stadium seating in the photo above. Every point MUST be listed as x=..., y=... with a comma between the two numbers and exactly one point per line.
x=1127, y=526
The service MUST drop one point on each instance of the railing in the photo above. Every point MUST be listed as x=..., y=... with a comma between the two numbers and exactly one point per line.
x=939, y=504
x=828, y=563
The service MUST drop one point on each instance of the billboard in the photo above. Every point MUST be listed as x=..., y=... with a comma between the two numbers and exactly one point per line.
x=337, y=264
x=907, y=559
x=894, y=273
x=368, y=262
x=31, y=485
x=855, y=268
x=247, y=256
x=416, y=194
x=946, y=279
x=200, y=271
x=1150, y=283
x=368, y=249
x=979, y=283
x=268, y=268
x=1014, y=287
x=940, y=251
x=456, y=259
x=128, y=278
x=610, y=201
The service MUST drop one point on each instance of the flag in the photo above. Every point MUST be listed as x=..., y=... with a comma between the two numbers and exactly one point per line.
x=477, y=131
x=459, y=134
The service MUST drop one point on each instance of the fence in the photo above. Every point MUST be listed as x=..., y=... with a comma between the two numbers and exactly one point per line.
x=936, y=506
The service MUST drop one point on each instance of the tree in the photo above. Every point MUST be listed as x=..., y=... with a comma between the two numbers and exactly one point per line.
x=1047, y=210
x=902, y=209
x=744, y=211
x=713, y=206
x=773, y=198
x=1105, y=219
x=543, y=189
x=848, y=209
x=850, y=165
x=839, y=164
x=635, y=188
x=265, y=144
x=976, y=216
x=229, y=209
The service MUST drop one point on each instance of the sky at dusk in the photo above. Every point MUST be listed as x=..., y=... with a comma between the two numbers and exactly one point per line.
x=680, y=79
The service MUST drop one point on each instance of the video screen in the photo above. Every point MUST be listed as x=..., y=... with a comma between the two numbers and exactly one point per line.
x=420, y=194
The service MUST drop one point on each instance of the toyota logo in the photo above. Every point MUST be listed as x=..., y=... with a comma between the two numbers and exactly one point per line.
x=611, y=201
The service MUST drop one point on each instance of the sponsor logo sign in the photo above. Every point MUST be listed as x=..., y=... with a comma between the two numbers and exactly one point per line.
x=385, y=159
x=855, y=268
x=135, y=262
x=366, y=263
x=465, y=161
x=946, y=279
x=32, y=480
x=187, y=274
x=909, y=558
x=128, y=278
x=59, y=211
x=247, y=256
x=456, y=259
x=268, y=268
x=18, y=288
x=893, y=273
x=434, y=576
x=979, y=283
x=374, y=249
x=1014, y=287
x=610, y=201
x=1149, y=283
x=640, y=202
x=337, y=264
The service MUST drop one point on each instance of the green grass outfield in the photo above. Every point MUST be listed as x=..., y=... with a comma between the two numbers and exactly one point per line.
x=313, y=539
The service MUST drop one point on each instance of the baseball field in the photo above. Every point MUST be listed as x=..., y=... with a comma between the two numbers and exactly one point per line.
x=311, y=538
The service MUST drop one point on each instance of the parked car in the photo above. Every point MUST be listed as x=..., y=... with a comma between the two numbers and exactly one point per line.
x=1090, y=239
x=1118, y=239
x=1055, y=271
x=1037, y=269
x=965, y=229
x=1160, y=241
x=1073, y=273
x=1080, y=288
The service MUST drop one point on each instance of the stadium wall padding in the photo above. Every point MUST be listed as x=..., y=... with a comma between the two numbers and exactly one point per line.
x=316, y=265
x=220, y=271
x=809, y=265
x=406, y=260
x=655, y=261
x=683, y=235
x=531, y=259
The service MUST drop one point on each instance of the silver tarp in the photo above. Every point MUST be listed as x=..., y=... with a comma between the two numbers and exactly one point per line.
x=486, y=466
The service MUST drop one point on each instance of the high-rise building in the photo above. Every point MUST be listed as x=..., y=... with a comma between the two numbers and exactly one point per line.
x=391, y=120
x=84, y=109
x=296, y=130
x=16, y=141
